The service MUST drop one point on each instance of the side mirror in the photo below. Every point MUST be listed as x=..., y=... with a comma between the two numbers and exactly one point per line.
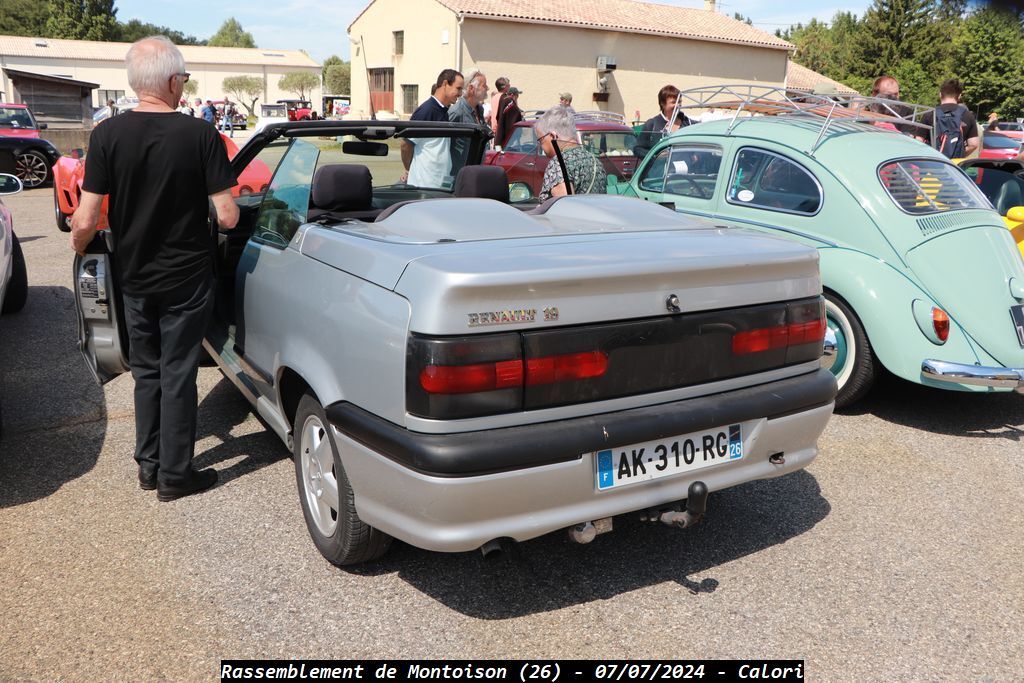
x=521, y=192
x=42, y=126
x=1016, y=214
x=11, y=184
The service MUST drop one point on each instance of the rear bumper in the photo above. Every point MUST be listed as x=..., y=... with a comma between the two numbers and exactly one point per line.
x=541, y=478
x=974, y=375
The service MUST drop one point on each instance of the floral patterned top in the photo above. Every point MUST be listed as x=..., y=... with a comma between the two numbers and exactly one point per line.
x=586, y=174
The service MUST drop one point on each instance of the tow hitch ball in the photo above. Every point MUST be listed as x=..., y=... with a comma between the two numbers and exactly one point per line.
x=696, y=504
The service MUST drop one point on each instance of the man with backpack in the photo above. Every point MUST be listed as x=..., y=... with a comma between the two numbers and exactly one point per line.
x=954, y=127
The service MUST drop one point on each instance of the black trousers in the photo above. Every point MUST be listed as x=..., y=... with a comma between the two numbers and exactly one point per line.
x=166, y=332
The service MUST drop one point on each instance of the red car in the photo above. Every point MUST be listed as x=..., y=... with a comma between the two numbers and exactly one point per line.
x=298, y=110
x=16, y=121
x=999, y=146
x=604, y=134
x=69, y=172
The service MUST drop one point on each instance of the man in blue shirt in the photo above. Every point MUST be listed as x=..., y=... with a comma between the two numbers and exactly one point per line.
x=428, y=161
x=209, y=113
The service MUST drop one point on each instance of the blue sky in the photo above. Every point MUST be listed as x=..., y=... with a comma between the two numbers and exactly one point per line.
x=318, y=26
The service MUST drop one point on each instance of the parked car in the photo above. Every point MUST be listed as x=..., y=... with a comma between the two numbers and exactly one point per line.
x=998, y=146
x=69, y=172
x=19, y=134
x=451, y=370
x=271, y=113
x=1011, y=129
x=604, y=134
x=13, y=274
x=298, y=109
x=1002, y=181
x=920, y=275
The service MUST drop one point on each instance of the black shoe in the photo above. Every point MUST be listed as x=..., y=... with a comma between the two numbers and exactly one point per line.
x=147, y=478
x=199, y=480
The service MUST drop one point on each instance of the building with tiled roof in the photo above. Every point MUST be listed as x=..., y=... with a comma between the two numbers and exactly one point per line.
x=801, y=78
x=103, y=63
x=550, y=46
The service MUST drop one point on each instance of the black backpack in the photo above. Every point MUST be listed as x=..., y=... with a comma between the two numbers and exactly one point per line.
x=949, y=133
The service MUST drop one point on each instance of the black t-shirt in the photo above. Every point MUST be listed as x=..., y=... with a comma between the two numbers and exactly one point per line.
x=968, y=122
x=159, y=169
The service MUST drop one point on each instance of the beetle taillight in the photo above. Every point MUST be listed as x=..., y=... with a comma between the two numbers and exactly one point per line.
x=940, y=323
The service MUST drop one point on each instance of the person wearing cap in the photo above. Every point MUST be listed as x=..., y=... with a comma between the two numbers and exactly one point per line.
x=509, y=114
x=565, y=99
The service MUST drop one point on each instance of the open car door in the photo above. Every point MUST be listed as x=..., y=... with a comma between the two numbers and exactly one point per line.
x=102, y=334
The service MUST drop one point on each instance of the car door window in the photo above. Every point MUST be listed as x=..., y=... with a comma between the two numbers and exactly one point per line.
x=766, y=180
x=286, y=200
x=684, y=171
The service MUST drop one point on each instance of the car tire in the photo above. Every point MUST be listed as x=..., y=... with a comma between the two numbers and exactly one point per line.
x=63, y=219
x=327, y=499
x=854, y=364
x=32, y=168
x=17, y=288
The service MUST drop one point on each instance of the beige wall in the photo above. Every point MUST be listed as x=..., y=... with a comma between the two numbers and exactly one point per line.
x=112, y=76
x=544, y=60
x=425, y=24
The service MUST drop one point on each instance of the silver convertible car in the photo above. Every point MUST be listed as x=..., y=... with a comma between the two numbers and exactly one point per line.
x=454, y=371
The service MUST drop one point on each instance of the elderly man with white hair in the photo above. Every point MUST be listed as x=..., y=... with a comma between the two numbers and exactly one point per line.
x=469, y=107
x=585, y=172
x=160, y=170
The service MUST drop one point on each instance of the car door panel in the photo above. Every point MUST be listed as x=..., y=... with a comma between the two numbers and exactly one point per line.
x=102, y=333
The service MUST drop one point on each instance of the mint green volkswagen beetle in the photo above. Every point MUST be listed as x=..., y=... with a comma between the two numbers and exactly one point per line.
x=921, y=276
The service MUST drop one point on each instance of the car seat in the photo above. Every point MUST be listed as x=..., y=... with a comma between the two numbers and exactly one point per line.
x=483, y=182
x=1009, y=196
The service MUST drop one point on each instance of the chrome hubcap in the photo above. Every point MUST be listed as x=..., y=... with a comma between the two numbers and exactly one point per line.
x=31, y=168
x=319, y=479
x=843, y=349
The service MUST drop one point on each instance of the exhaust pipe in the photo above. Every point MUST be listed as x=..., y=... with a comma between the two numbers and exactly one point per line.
x=696, y=505
x=492, y=548
x=583, y=533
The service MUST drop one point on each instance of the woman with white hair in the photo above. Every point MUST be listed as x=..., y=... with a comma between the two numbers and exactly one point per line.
x=586, y=174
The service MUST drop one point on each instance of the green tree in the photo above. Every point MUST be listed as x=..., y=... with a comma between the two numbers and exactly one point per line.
x=23, y=17
x=989, y=52
x=339, y=79
x=246, y=89
x=814, y=46
x=301, y=83
x=892, y=31
x=82, y=20
x=329, y=62
x=134, y=29
x=746, y=20
x=231, y=34
x=191, y=89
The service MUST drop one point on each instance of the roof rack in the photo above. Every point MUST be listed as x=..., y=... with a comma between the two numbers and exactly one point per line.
x=753, y=100
x=601, y=116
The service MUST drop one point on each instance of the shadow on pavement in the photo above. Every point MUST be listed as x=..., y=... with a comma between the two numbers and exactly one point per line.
x=956, y=413
x=551, y=572
x=220, y=411
x=54, y=413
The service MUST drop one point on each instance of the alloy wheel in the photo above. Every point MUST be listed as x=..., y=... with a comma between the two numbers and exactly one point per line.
x=319, y=478
x=31, y=168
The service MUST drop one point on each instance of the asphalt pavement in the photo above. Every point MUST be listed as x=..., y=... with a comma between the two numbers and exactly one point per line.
x=897, y=555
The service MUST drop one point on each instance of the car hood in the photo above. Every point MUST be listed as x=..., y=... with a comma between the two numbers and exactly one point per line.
x=973, y=275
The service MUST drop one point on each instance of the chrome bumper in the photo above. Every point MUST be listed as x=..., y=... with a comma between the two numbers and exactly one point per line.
x=976, y=375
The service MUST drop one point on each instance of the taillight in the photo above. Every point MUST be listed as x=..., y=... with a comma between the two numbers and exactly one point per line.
x=940, y=322
x=566, y=368
x=467, y=379
x=805, y=324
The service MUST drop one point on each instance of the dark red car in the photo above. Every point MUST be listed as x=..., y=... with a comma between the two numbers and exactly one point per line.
x=604, y=134
x=298, y=110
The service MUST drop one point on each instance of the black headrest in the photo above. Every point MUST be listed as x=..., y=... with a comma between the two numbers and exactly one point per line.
x=485, y=182
x=342, y=187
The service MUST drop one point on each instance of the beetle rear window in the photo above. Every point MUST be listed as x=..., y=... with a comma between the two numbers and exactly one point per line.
x=923, y=186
